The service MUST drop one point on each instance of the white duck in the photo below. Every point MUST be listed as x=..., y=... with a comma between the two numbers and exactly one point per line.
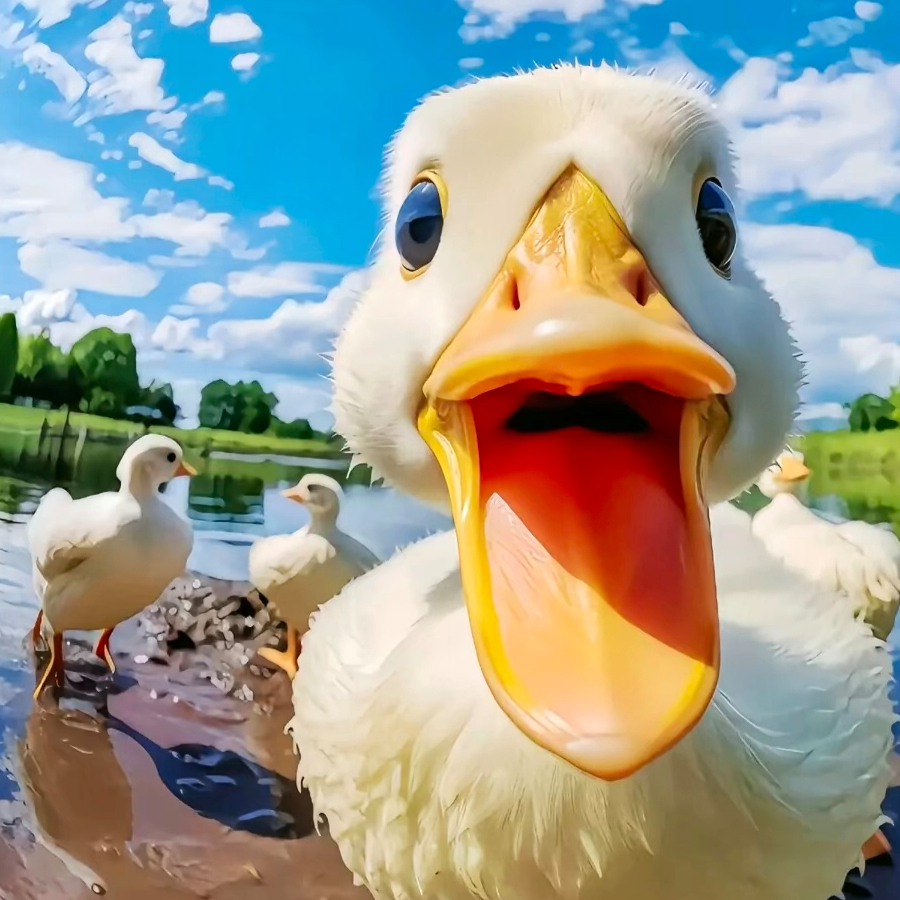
x=298, y=572
x=101, y=559
x=561, y=700
x=857, y=559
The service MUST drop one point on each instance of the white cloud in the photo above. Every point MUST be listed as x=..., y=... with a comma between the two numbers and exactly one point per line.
x=137, y=10
x=206, y=297
x=831, y=32
x=195, y=230
x=832, y=289
x=58, y=265
x=219, y=181
x=471, y=62
x=45, y=197
x=171, y=120
x=55, y=68
x=867, y=11
x=280, y=280
x=51, y=12
x=175, y=335
x=187, y=12
x=37, y=309
x=831, y=135
x=154, y=153
x=275, y=219
x=124, y=81
x=490, y=19
x=243, y=62
x=294, y=336
x=229, y=28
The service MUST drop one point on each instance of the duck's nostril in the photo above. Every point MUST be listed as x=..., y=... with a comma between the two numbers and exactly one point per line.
x=638, y=283
x=514, y=300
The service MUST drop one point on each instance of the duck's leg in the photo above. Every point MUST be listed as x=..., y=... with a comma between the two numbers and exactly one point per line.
x=286, y=659
x=102, y=649
x=55, y=667
x=876, y=846
x=36, y=630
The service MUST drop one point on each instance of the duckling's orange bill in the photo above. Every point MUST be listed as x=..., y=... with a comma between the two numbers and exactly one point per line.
x=792, y=469
x=573, y=416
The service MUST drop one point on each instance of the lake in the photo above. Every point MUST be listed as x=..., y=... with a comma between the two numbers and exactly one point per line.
x=165, y=787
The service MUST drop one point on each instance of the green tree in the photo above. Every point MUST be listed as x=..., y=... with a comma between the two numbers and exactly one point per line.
x=244, y=406
x=159, y=400
x=298, y=428
x=870, y=412
x=105, y=363
x=44, y=373
x=9, y=353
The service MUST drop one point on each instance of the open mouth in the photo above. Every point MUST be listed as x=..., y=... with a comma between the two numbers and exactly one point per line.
x=574, y=423
x=601, y=411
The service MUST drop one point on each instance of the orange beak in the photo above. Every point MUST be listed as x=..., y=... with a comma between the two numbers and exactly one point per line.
x=185, y=468
x=295, y=494
x=792, y=469
x=574, y=416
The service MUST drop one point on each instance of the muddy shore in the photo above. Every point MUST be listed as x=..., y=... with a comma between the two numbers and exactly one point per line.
x=174, y=778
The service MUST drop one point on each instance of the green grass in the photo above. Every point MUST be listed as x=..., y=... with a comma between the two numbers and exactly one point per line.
x=201, y=440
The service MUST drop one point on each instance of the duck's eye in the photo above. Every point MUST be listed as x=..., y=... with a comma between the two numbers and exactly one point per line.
x=717, y=224
x=419, y=225
x=171, y=457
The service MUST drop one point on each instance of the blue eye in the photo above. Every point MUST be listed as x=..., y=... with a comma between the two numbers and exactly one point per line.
x=419, y=225
x=717, y=224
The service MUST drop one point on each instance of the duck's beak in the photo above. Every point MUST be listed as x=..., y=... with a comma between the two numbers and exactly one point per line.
x=185, y=468
x=574, y=415
x=295, y=494
x=792, y=469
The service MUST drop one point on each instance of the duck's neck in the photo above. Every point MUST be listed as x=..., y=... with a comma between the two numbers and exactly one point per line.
x=322, y=521
x=140, y=485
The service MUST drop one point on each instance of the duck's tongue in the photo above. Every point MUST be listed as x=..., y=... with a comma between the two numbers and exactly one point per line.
x=588, y=575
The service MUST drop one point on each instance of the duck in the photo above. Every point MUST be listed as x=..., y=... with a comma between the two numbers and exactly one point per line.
x=99, y=560
x=858, y=560
x=598, y=684
x=297, y=572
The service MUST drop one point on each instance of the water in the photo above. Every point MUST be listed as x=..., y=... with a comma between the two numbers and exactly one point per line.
x=165, y=787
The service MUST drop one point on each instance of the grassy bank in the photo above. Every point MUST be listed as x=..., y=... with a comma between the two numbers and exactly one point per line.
x=856, y=454
x=22, y=420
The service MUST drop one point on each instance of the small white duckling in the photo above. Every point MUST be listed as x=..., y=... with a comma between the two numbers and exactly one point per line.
x=100, y=560
x=857, y=559
x=299, y=572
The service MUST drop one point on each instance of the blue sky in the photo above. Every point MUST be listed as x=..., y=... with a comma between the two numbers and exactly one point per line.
x=204, y=174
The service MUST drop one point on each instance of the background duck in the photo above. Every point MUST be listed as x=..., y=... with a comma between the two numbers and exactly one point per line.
x=561, y=699
x=857, y=559
x=99, y=560
x=300, y=571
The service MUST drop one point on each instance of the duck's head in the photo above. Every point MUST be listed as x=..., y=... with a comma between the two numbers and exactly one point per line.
x=789, y=474
x=152, y=460
x=563, y=343
x=317, y=492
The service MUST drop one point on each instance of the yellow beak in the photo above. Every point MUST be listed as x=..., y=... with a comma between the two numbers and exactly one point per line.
x=573, y=416
x=185, y=468
x=792, y=469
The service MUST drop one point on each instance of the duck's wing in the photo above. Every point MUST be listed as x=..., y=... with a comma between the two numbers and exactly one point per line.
x=354, y=552
x=880, y=551
x=63, y=532
x=276, y=560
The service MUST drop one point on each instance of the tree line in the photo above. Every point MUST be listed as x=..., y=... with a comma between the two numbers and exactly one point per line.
x=871, y=412
x=99, y=375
